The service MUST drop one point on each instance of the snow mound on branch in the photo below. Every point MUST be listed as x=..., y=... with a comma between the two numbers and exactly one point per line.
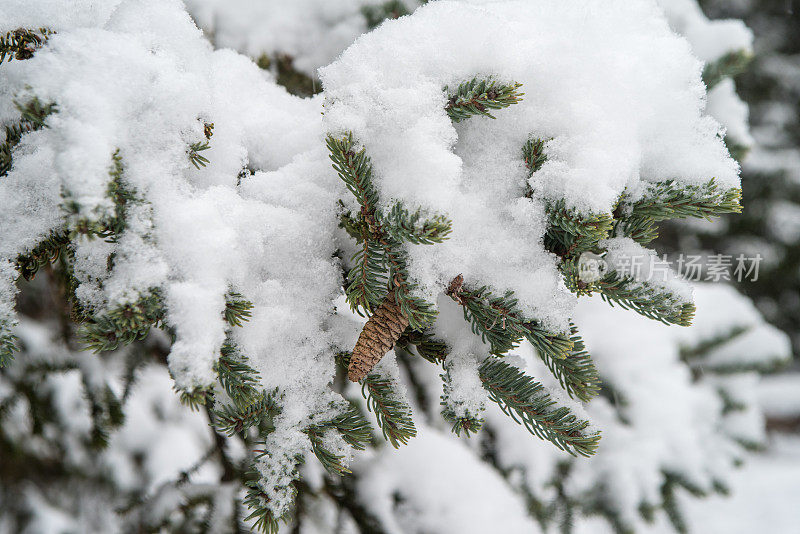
x=53, y=14
x=711, y=39
x=312, y=33
x=620, y=108
x=144, y=82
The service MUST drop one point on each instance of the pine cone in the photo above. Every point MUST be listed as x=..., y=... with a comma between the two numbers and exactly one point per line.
x=378, y=336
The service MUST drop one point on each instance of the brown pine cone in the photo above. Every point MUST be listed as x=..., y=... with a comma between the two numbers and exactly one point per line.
x=378, y=336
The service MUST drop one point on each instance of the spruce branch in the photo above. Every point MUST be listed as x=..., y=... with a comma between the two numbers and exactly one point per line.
x=20, y=44
x=250, y=405
x=237, y=309
x=256, y=411
x=349, y=223
x=366, y=281
x=548, y=344
x=332, y=462
x=381, y=242
x=237, y=378
x=424, y=345
x=419, y=312
x=124, y=323
x=730, y=65
x=32, y=117
x=282, y=66
x=478, y=96
x=392, y=413
x=698, y=351
x=499, y=321
x=353, y=429
x=193, y=398
x=355, y=169
x=467, y=425
x=121, y=194
x=108, y=227
x=528, y=403
x=738, y=151
x=569, y=234
x=413, y=228
x=670, y=502
x=768, y=365
x=197, y=159
x=8, y=344
x=490, y=316
x=671, y=200
x=729, y=402
x=533, y=155
x=700, y=357
x=576, y=372
x=390, y=9
x=46, y=252
x=645, y=299
x=643, y=230
x=257, y=501
x=106, y=413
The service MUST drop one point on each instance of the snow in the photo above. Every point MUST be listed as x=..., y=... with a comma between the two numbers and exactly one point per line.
x=52, y=14
x=783, y=221
x=779, y=395
x=144, y=81
x=615, y=92
x=726, y=106
x=760, y=345
x=639, y=113
x=451, y=474
x=629, y=259
x=656, y=432
x=710, y=39
x=195, y=233
x=656, y=86
x=464, y=394
x=155, y=422
x=313, y=32
x=761, y=495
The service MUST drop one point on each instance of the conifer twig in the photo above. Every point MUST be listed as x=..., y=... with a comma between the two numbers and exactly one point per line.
x=528, y=403
x=478, y=96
